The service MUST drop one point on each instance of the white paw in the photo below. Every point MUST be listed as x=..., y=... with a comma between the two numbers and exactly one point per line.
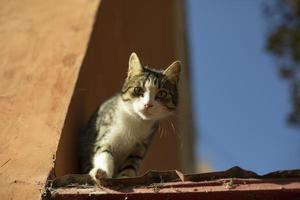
x=97, y=174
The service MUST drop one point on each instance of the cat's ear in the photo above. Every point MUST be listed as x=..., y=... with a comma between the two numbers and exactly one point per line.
x=173, y=72
x=135, y=66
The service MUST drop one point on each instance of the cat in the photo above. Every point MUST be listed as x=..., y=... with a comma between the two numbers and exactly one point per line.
x=119, y=132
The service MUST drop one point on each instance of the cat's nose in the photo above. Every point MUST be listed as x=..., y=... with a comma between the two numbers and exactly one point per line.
x=148, y=105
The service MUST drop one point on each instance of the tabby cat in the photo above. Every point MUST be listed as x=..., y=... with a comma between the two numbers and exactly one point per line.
x=120, y=131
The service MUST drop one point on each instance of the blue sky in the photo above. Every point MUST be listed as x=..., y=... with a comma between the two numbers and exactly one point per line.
x=240, y=102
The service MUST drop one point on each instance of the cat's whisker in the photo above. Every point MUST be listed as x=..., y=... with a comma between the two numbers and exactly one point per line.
x=167, y=132
x=163, y=131
x=172, y=125
x=160, y=130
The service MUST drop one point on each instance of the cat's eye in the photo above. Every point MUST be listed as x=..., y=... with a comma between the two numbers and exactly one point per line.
x=138, y=91
x=161, y=94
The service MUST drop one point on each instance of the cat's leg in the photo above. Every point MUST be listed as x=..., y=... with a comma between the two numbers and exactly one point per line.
x=132, y=163
x=103, y=164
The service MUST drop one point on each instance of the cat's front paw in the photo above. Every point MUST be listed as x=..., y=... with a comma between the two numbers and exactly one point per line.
x=98, y=174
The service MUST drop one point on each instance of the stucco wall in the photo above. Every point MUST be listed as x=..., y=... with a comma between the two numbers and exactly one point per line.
x=42, y=46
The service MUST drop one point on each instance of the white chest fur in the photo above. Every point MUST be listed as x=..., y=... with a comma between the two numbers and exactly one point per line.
x=126, y=132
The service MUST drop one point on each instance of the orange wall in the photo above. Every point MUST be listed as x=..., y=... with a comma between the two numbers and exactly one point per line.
x=42, y=46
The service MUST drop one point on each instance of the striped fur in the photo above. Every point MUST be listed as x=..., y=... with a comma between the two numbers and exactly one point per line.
x=119, y=132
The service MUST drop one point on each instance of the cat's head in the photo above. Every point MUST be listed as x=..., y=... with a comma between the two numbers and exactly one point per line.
x=148, y=93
